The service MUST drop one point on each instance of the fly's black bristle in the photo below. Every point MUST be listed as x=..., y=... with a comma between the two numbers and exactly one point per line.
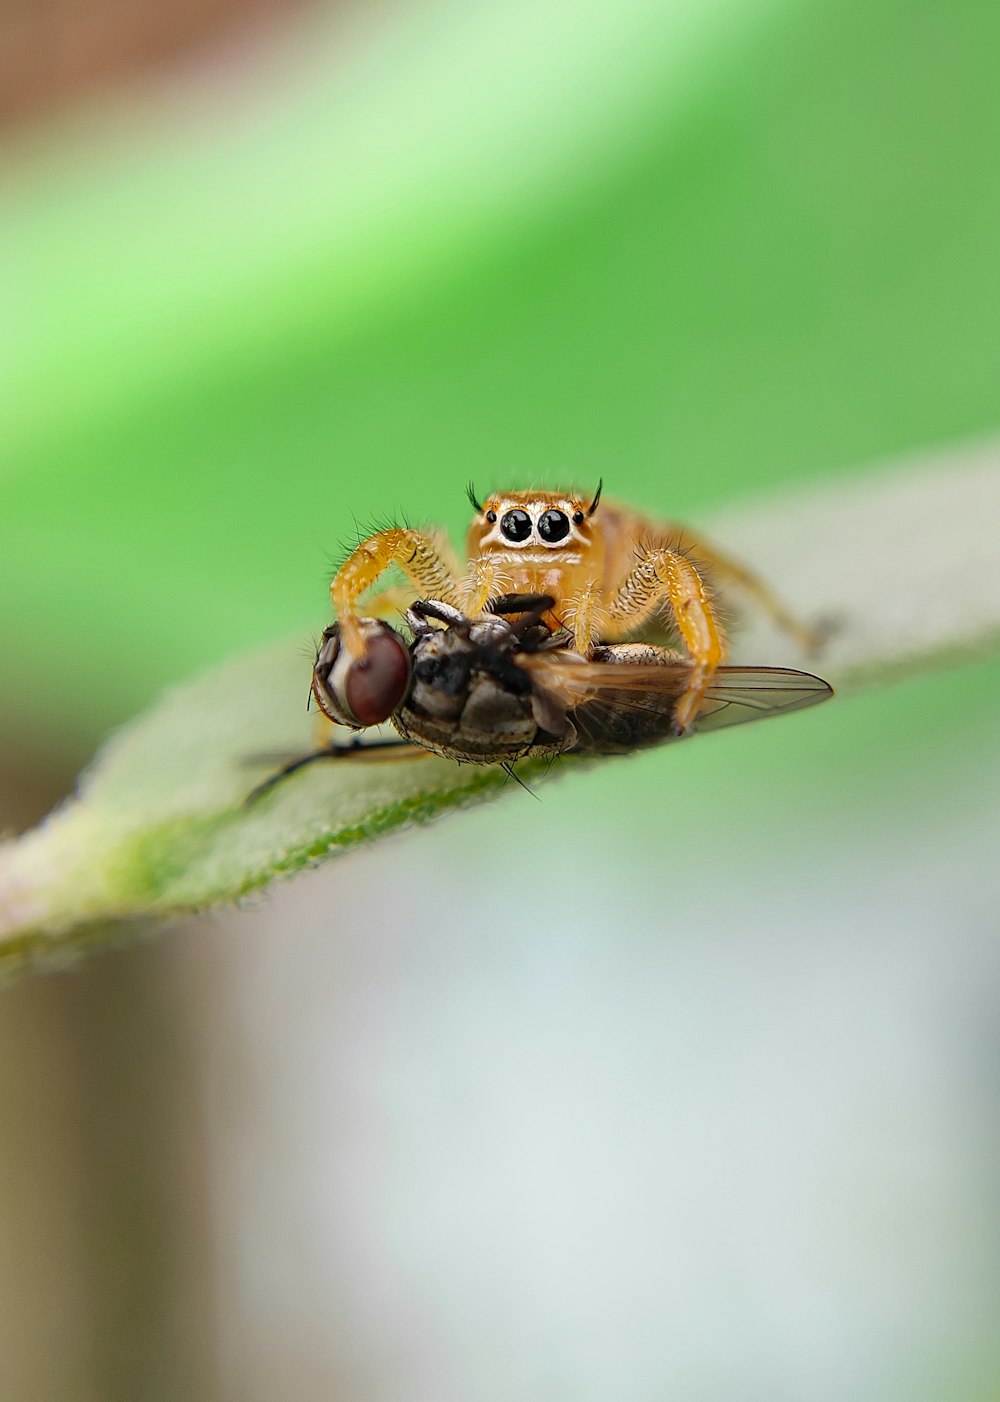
x=512, y=773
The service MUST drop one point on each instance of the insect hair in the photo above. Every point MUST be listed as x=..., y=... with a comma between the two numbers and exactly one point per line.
x=534, y=486
x=347, y=546
x=512, y=773
x=725, y=606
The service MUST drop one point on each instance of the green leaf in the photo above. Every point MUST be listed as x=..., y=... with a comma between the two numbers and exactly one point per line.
x=902, y=560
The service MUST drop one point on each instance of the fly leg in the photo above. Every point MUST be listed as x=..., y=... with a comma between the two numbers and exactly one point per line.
x=372, y=752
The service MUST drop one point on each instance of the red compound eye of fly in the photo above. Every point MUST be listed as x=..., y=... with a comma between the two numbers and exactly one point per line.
x=376, y=685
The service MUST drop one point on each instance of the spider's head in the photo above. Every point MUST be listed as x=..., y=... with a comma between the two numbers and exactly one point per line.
x=533, y=521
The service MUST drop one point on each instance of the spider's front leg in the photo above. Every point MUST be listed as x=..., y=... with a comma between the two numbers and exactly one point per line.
x=662, y=576
x=426, y=562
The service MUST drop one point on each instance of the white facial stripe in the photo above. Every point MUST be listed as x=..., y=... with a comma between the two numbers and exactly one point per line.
x=568, y=547
x=543, y=557
x=497, y=540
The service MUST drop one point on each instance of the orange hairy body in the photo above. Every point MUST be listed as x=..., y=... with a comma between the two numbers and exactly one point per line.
x=611, y=571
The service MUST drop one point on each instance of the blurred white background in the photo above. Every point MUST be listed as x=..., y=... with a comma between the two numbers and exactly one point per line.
x=521, y=1109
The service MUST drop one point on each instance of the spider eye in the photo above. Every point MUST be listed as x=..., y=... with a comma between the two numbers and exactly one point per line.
x=491, y=516
x=553, y=525
x=578, y=518
x=516, y=525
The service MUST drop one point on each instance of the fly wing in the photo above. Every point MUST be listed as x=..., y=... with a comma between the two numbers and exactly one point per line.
x=739, y=694
x=617, y=707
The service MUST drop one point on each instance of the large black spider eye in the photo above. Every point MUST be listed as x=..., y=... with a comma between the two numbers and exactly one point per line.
x=553, y=525
x=516, y=525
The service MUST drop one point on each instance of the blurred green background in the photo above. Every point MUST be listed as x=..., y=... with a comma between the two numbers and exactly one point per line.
x=698, y=250
x=275, y=274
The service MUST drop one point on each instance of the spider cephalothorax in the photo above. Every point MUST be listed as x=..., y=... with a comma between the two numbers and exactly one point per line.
x=535, y=542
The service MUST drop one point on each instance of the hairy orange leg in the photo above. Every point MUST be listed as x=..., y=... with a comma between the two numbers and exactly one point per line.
x=422, y=559
x=584, y=615
x=388, y=602
x=485, y=580
x=726, y=571
x=664, y=577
